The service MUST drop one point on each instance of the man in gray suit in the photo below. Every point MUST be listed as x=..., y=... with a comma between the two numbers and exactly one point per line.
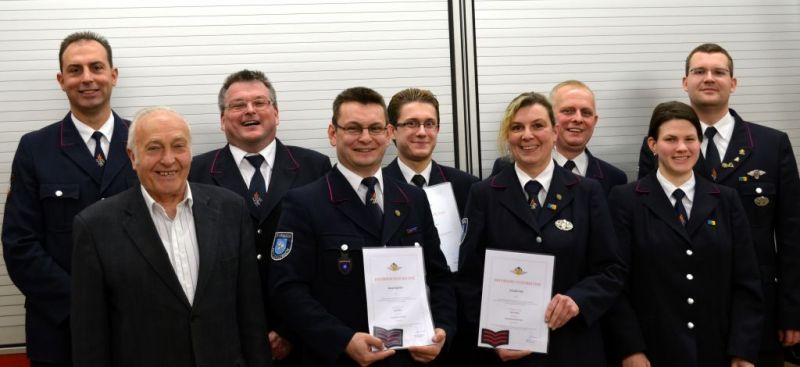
x=165, y=273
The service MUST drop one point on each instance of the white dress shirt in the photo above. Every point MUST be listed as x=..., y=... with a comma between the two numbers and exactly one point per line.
x=543, y=178
x=247, y=170
x=723, y=136
x=409, y=173
x=86, y=131
x=361, y=190
x=687, y=187
x=581, y=162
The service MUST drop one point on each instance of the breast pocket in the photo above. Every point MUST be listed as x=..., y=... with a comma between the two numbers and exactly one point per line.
x=758, y=199
x=341, y=260
x=60, y=203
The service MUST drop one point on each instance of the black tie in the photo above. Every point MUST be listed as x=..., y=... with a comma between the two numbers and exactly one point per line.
x=679, y=209
x=712, y=155
x=258, y=187
x=371, y=200
x=570, y=165
x=532, y=188
x=418, y=180
x=99, y=157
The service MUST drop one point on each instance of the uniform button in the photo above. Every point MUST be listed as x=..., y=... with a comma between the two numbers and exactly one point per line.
x=102, y=198
x=690, y=325
x=59, y=193
x=690, y=300
x=689, y=252
x=258, y=257
x=258, y=231
x=538, y=239
x=758, y=190
x=689, y=276
x=775, y=280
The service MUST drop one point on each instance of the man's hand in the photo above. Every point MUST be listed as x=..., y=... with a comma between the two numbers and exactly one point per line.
x=789, y=337
x=427, y=353
x=636, y=360
x=511, y=354
x=360, y=349
x=280, y=347
x=738, y=362
x=560, y=310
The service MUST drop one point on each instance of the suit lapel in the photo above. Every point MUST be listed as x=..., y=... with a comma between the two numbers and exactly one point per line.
x=656, y=200
x=396, y=207
x=345, y=200
x=75, y=148
x=206, y=223
x=739, y=149
x=706, y=198
x=138, y=224
x=225, y=173
x=510, y=195
x=117, y=156
x=593, y=169
x=559, y=195
x=283, y=174
x=437, y=174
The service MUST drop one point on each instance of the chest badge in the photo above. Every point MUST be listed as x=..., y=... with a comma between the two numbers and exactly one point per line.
x=564, y=225
x=756, y=173
x=761, y=201
x=344, y=263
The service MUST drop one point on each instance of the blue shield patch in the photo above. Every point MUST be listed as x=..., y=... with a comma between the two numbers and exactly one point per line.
x=281, y=245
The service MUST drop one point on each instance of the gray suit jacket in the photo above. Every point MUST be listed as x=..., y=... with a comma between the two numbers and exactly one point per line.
x=128, y=308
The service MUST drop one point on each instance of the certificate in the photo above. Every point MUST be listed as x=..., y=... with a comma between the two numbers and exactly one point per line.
x=398, y=311
x=446, y=218
x=516, y=291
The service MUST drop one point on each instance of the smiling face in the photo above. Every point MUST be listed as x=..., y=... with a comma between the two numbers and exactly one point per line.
x=713, y=88
x=416, y=144
x=531, y=136
x=87, y=78
x=361, y=153
x=250, y=118
x=677, y=148
x=575, y=117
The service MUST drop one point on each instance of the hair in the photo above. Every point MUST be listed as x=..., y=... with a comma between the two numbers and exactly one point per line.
x=361, y=95
x=245, y=76
x=569, y=83
x=407, y=96
x=521, y=101
x=709, y=48
x=146, y=111
x=669, y=111
x=83, y=36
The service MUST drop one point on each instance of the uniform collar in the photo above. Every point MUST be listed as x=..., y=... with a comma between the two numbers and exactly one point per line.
x=268, y=153
x=409, y=173
x=355, y=180
x=581, y=161
x=86, y=131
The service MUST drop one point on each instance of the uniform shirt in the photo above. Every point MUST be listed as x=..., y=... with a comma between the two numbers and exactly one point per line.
x=86, y=132
x=581, y=162
x=247, y=170
x=361, y=190
x=687, y=187
x=179, y=239
x=544, y=179
x=723, y=136
x=409, y=173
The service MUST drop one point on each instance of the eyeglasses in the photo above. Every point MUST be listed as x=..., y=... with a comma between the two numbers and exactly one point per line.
x=715, y=72
x=355, y=130
x=415, y=124
x=240, y=105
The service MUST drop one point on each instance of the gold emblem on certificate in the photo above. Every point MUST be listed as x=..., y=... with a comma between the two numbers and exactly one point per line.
x=564, y=225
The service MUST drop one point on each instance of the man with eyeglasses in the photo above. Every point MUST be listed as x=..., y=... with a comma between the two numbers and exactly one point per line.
x=259, y=167
x=318, y=283
x=414, y=119
x=759, y=163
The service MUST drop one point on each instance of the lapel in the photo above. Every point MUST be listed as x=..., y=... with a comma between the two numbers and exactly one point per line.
x=593, y=169
x=225, y=173
x=559, y=195
x=139, y=226
x=656, y=200
x=510, y=195
x=437, y=174
x=344, y=199
x=739, y=149
x=75, y=148
x=706, y=199
x=117, y=152
x=284, y=171
x=206, y=223
x=396, y=208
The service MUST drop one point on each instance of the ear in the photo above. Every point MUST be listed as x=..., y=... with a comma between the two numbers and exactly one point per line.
x=733, y=85
x=684, y=84
x=60, y=79
x=651, y=143
x=389, y=133
x=132, y=157
x=332, y=134
x=114, y=75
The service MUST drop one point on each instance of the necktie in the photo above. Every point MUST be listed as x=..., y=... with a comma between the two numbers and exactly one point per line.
x=532, y=188
x=679, y=208
x=371, y=200
x=99, y=157
x=570, y=165
x=418, y=180
x=258, y=188
x=712, y=155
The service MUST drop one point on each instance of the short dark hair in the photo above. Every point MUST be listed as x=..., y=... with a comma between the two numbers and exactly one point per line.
x=673, y=110
x=245, y=76
x=709, y=48
x=407, y=96
x=361, y=95
x=83, y=36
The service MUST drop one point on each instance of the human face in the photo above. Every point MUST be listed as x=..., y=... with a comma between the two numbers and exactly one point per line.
x=531, y=136
x=362, y=153
x=575, y=117
x=677, y=149
x=708, y=90
x=252, y=128
x=87, y=78
x=162, y=155
x=416, y=144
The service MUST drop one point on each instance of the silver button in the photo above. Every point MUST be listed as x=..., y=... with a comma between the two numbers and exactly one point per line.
x=344, y=247
x=102, y=198
x=59, y=193
x=689, y=276
x=258, y=257
x=538, y=239
x=689, y=252
x=258, y=231
x=758, y=190
x=690, y=300
x=690, y=325
x=775, y=280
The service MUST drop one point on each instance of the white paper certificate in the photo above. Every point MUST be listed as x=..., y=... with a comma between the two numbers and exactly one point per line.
x=516, y=291
x=398, y=311
x=446, y=218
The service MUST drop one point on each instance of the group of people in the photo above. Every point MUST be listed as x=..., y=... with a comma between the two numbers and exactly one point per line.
x=132, y=252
